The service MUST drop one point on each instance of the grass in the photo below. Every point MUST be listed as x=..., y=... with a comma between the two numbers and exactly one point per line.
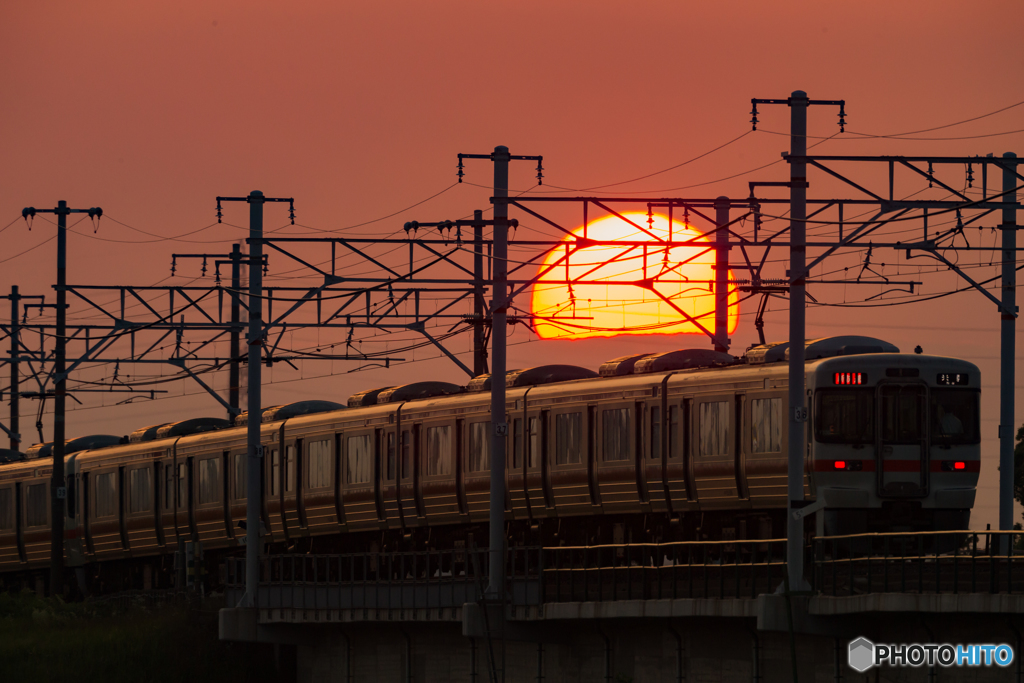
x=49, y=640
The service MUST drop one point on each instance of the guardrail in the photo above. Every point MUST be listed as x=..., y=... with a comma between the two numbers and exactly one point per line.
x=920, y=562
x=653, y=571
x=393, y=580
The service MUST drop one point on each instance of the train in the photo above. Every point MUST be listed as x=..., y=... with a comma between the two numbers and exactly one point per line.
x=682, y=445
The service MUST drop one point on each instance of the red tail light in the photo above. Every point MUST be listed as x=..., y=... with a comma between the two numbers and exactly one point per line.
x=958, y=465
x=840, y=464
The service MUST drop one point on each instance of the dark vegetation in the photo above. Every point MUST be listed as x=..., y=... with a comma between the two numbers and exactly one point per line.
x=46, y=639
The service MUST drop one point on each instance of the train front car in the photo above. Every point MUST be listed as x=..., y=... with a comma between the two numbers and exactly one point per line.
x=895, y=442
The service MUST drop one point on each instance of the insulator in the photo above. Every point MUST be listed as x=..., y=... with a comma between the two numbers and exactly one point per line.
x=540, y=170
x=204, y=266
x=461, y=167
x=970, y=175
x=753, y=115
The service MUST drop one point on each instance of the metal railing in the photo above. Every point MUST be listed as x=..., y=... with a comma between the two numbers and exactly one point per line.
x=653, y=571
x=920, y=562
x=391, y=580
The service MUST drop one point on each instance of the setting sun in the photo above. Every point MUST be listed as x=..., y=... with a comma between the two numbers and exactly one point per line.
x=648, y=289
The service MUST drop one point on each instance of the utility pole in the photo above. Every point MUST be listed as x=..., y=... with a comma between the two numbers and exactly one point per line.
x=255, y=341
x=15, y=370
x=721, y=274
x=479, y=339
x=58, y=490
x=499, y=308
x=1008, y=343
x=797, y=290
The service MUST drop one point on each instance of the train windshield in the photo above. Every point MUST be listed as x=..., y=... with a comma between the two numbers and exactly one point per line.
x=845, y=416
x=954, y=416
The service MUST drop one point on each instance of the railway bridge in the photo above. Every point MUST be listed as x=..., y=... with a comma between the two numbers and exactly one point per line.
x=705, y=611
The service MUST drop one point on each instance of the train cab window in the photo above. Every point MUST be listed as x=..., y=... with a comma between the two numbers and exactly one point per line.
x=616, y=434
x=844, y=416
x=654, y=444
x=359, y=460
x=517, y=443
x=713, y=428
x=320, y=464
x=275, y=472
x=568, y=438
x=954, y=416
x=209, y=480
x=902, y=414
x=168, y=486
x=673, y=432
x=106, y=494
x=6, y=509
x=182, y=486
x=479, y=447
x=241, y=477
x=35, y=505
x=140, y=487
x=406, y=463
x=766, y=425
x=390, y=464
x=438, y=447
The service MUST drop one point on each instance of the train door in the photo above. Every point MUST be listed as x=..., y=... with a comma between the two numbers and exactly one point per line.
x=536, y=430
x=742, y=423
x=592, y=432
x=19, y=523
x=378, y=473
x=902, y=472
x=648, y=460
x=460, y=466
x=714, y=463
x=339, y=499
x=390, y=492
x=122, y=507
x=677, y=460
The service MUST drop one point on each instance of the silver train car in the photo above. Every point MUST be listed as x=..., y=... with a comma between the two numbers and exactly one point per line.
x=683, y=445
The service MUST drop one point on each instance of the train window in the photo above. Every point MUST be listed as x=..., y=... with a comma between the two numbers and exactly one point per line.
x=209, y=480
x=289, y=469
x=439, y=450
x=713, y=428
x=902, y=414
x=106, y=494
x=390, y=465
x=844, y=416
x=766, y=425
x=568, y=438
x=479, y=447
x=616, y=434
x=954, y=416
x=275, y=472
x=140, y=487
x=6, y=509
x=517, y=443
x=654, y=447
x=168, y=486
x=359, y=460
x=182, y=486
x=35, y=505
x=536, y=437
x=320, y=464
x=241, y=476
x=406, y=454
x=673, y=432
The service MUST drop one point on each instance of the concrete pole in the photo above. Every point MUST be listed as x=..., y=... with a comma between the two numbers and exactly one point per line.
x=797, y=410
x=57, y=490
x=255, y=342
x=722, y=275
x=479, y=345
x=1008, y=341
x=15, y=374
x=236, y=334
x=499, y=306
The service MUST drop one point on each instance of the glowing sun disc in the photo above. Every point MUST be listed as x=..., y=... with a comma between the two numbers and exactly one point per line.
x=631, y=289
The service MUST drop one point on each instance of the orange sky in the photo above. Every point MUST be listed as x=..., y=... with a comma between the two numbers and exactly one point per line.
x=358, y=110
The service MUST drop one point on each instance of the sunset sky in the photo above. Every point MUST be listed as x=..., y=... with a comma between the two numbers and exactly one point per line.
x=358, y=110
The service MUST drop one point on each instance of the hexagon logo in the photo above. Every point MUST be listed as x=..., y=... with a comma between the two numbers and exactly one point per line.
x=861, y=655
